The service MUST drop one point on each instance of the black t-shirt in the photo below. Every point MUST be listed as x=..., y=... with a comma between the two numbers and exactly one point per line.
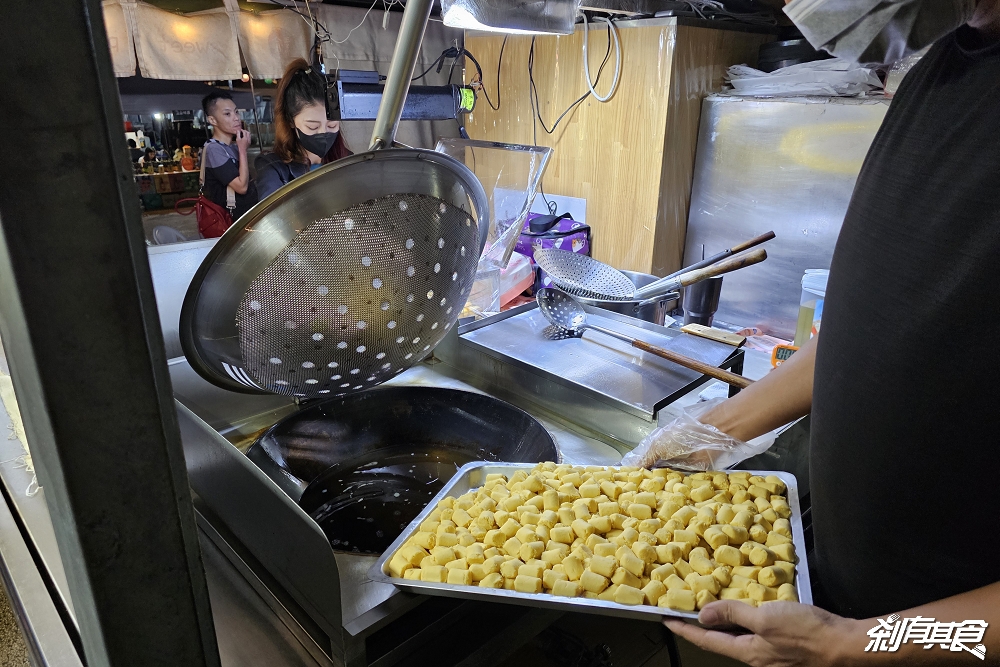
x=221, y=167
x=906, y=428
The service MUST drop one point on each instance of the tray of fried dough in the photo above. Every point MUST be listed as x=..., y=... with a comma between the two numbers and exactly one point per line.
x=607, y=540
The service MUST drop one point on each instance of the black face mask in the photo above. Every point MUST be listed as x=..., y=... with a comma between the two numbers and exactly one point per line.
x=319, y=143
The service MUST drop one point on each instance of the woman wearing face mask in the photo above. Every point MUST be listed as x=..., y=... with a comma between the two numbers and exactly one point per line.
x=305, y=134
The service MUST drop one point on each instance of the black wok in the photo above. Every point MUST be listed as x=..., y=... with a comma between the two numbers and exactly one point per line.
x=364, y=465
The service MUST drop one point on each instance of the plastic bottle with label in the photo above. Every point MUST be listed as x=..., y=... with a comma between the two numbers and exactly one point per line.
x=811, y=305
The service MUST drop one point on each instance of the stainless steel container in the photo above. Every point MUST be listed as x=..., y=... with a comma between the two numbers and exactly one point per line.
x=653, y=310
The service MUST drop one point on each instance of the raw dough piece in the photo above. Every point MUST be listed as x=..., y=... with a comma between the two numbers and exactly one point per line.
x=681, y=600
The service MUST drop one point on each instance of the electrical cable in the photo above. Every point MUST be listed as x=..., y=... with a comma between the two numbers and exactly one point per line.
x=586, y=61
x=483, y=84
x=308, y=10
x=533, y=89
x=499, y=65
x=457, y=52
x=324, y=35
x=479, y=77
x=319, y=27
x=363, y=19
x=386, y=6
x=450, y=52
x=536, y=112
x=714, y=10
x=310, y=21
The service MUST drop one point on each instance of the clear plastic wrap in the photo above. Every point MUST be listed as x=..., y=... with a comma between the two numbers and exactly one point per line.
x=517, y=277
x=687, y=444
x=510, y=174
x=899, y=70
x=484, y=300
x=819, y=77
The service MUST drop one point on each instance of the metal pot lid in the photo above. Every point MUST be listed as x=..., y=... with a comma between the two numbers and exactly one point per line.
x=341, y=279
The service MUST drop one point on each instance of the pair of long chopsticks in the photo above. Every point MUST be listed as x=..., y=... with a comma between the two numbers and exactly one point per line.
x=651, y=289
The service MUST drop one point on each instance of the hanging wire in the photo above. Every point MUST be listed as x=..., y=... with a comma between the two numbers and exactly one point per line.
x=536, y=113
x=458, y=52
x=533, y=89
x=586, y=59
x=499, y=65
x=351, y=32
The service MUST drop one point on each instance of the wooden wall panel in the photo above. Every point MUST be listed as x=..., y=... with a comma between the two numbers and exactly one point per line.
x=612, y=154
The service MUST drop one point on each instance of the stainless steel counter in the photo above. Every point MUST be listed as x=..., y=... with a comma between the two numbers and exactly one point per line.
x=280, y=595
x=256, y=621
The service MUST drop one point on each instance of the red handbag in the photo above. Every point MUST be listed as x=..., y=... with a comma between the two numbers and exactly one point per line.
x=213, y=220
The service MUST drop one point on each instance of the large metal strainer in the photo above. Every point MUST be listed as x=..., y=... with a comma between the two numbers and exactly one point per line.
x=346, y=276
x=340, y=280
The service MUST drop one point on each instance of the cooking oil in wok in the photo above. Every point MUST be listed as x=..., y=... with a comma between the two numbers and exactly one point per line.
x=363, y=504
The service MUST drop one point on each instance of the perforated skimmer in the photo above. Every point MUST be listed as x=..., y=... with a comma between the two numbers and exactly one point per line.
x=584, y=276
x=400, y=297
x=341, y=282
x=587, y=278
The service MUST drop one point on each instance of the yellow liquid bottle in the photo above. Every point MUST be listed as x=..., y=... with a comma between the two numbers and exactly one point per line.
x=803, y=327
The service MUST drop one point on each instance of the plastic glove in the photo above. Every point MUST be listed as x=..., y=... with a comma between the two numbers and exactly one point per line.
x=688, y=444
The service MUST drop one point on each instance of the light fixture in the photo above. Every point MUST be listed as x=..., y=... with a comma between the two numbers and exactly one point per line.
x=245, y=77
x=514, y=17
x=158, y=116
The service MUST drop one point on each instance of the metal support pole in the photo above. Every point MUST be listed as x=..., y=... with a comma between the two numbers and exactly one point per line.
x=256, y=120
x=81, y=331
x=397, y=83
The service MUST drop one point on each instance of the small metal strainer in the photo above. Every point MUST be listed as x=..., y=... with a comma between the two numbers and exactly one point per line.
x=584, y=276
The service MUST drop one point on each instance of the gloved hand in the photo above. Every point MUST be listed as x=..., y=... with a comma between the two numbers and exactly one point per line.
x=687, y=444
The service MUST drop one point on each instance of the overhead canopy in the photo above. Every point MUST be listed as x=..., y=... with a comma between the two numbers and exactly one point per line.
x=206, y=46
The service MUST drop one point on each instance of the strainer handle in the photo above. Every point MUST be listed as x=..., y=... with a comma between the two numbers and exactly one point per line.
x=728, y=377
x=679, y=359
x=404, y=58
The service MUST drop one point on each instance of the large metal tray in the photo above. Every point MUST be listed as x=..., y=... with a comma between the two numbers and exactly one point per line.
x=473, y=475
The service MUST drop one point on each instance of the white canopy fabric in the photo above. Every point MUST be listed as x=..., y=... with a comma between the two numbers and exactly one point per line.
x=271, y=40
x=200, y=46
x=206, y=46
x=119, y=38
x=371, y=43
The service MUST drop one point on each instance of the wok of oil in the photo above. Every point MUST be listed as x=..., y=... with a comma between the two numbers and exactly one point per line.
x=363, y=504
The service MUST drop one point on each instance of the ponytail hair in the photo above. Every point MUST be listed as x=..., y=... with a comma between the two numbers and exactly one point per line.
x=301, y=86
